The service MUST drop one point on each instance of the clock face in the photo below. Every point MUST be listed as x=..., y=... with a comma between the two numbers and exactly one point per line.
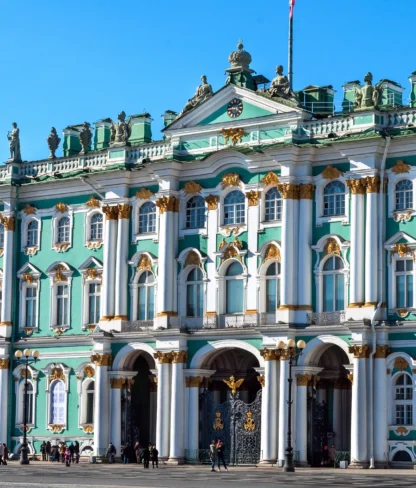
x=235, y=108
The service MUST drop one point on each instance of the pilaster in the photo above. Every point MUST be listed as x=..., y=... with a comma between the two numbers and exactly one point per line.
x=193, y=384
x=109, y=264
x=164, y=367
x=4, y=394
x=381, y=433
x=371, y=247
x=253, y=225
x=123, y=215
x=302, y=381
x=283, y=399
x=8, y=278
x=212, y=223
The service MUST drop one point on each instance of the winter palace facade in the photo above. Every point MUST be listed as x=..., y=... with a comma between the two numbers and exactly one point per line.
x=148, y=273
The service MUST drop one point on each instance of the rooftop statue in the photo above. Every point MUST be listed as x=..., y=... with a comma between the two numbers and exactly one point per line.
x=53, y=141
x=280, y=86
x=203, y=92
x=120, y=132
x=13, y=137
x=85, y=137
x=367, y=96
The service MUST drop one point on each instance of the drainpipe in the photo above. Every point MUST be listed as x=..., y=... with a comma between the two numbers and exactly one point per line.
x=381, y=282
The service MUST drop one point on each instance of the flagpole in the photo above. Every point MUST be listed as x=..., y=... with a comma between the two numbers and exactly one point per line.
x=290, y=47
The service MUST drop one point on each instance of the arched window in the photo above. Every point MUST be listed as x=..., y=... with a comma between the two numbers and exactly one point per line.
x=273, y=205
x=146, y=292
x=147, y=218
x=29, y=403
x=1, y=236
x=334, y=198
x=333, y=285
x=57, y=407
x=64, y=227
x=234, y=208
x=234, y=288
x=404, y=400
x=94, y=295
x=273, y=287
x=195, y=213
x=89, y=404
x=32, y=233
x=194, y=294
x=96, y=232
x=404, y=195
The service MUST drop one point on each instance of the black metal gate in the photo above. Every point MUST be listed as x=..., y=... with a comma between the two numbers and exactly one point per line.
x=317, y=430
x=236, y=423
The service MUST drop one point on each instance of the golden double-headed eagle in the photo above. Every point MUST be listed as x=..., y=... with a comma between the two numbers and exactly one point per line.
x=233, y=385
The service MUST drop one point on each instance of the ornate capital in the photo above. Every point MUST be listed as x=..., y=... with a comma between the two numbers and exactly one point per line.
x=372, y=184
x=193, y=381
x=179, y=357
x=357, y=187
x=400, y=167
x=306, y=191
x=270, y=354
x=303, y=379
x=261, y=380
x=231, y=179
x=93, y=202
x=271, y=179
x=350, y=377
x=101, y=359
x=253, y=198
x=8, y=223
x=381, y=352
x=289, y=191
x=61, y=207
x=360, y=352
x=143, y=194
x=124, y=211
x=332, y=247
x=29, y=210
x=212, y=201
x=401, y=364
x=192, y=187
x=111, y=212
x=117, y=383
x=331, y=173
x=4, y=363
x=163, y=357
x=168, y=204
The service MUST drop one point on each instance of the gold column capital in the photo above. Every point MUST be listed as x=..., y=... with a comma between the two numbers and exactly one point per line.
x=270, y=354
x=193, y=381
x=357, y=186
x=253, y=198
x=262, y=380
x=101, y=359
x=163, y=357
x=360, y=352
x=179, y=356
x=4, y=363
x=110, y=212
x=167, y=204
x=117, y=383
x=372, y=184
x=303, y=379
x=381, y=352
x=124, y=211
x=289, y=191
x=8, y=223
x=212, y=201
x=306, y=191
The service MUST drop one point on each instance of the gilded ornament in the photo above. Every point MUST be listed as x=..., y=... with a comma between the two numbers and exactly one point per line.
x=381, y=352
x=230, y=252
x=231, y=179
x=91, y=273
x=271, y=179
x=193, y=381
x=28, y=278
x=236, y=135
x=124, y=211
x=57, y=374
x=93, y=202
x=272, y=252
x=163, y=357
x=362, y=352
x=306, y=191
x=4, y=363
x=223, y=243
x=8, y=223
x=249, y=424
x=88, y=429
x=402, y=431
x=400, y=167
x=56, y=428
x=218, y=423
x=96, y=244
x=289, y=191
x=179, y=357
x=233, y=385
x=59, y=276
x=110, y=212
x=30, y=250
x=61, y=207
x=29, y=210
x=62, y=246
x=89, y=371
x=350, y=377
x=192, y=259
x=23, y=373
x=167, y=204
x=253, y=198
x=398, y=217
x=101, y=359
x=212, y=201
x=192, y=187
x=357, y=187
x=372, y=184
x=402, y=250
x=117, y=383
x=401, y=364
x=332, y=247
x=261, y=380
x=237, y=243
x=331, y=173
x=144, y=194
x=145, y=263
x=303, y=379
x=270, y=354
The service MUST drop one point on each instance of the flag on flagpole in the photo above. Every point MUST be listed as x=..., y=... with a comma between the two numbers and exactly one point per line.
x=292, y=5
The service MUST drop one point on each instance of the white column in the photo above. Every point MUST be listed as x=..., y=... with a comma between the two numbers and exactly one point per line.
x=253, y=226
x=153, y=411
x=193, y=383
x=177, y=412
x=357, y=243
x=268, y=407
x=109, y=265
x=101, y=403
x=211, y=293
x=302, y=381
x=283, y=398
x=4, y=398
x=121, y=262
x=337, y=417
x=7, y=289
x=371, y=243
x=115, y=426
x=359, y=441
x=380, y=406
x=163, y=404
x=304, y=257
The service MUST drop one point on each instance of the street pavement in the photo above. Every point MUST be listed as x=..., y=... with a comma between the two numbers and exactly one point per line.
x=54, y=475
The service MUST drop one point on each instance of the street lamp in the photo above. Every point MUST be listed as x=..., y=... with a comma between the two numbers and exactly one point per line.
x=24, y=357
x=292, y=354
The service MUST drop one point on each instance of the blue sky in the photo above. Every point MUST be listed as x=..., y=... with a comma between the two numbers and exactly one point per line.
x=66, y=62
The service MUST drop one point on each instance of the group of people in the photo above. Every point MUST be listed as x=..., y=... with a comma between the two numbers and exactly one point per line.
x=63, y=453
x=216, y=452
x=136, y=454
x=4, y=454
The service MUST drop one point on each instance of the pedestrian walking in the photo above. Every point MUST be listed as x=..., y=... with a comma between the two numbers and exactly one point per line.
x=111, y=453
x=67, y=456
x=332, y=455
x=62, y=450
x=146, y=458
x=138, y=449
x=48, y=450
x=155, y=457
x=5, y=454
x=72, y=450
x=76, y=450
x=220, y=455
x=43, y=450
x=1, y=453
x=212, y=454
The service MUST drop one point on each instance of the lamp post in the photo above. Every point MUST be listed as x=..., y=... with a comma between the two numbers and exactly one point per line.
x=24, y=357
x=292, y=354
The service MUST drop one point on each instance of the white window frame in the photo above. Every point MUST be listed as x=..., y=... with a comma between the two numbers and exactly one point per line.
x=224, y=229
x=262, y=202
x=321, y=183
x=88, y=278
x=134, y=263
x=26, y=219
x=61, y=247
x=84, y=401
x=183, y=201
x=54, y=283
x=23, y=286
x=222, y=292
x=392, y=282
x=136, y=204
x=262, y=284
x=82, y=382
x=48, y=372
x=333, y=273
x=135, y=298
x=19, y=394
x=411, y=192
x=393, y=179
x=89, y=242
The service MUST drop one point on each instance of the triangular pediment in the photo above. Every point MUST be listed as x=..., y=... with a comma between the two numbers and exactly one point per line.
x=400, y=238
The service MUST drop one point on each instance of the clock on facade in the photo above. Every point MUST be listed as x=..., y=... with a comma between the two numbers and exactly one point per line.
x=235, y=108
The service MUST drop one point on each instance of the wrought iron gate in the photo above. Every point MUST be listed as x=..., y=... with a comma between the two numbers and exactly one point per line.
x=236, y=423
x=317, y=429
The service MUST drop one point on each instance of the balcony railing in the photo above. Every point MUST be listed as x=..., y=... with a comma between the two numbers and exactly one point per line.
x=326, y=318
x=136, y=325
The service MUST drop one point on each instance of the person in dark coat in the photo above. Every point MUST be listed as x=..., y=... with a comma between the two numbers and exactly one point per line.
x=48, y=450
x=76, y=450
x=146, y=457
x=220, y=455
x=154, y=455
x=43, y=450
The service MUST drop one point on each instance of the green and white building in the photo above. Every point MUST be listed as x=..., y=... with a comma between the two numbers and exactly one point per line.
x=146, y=274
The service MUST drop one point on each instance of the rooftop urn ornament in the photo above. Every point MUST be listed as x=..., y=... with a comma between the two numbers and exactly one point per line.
x=367, y=96
x=280, y=86
x=240, y=60
x=203, y=93
x=85, y=137
x=121, y=131
x=53, y=141
x=14, y=143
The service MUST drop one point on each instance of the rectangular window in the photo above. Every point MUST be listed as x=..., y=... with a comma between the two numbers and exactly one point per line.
x=404, y=415
x=271, y=295
x=328, y=299
x=94, y=291
x=234, y=296
x=31, y=306
x=404, y=283
x=62, y=305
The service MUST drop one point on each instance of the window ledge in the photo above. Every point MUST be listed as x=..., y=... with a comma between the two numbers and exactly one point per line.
x=94, y=244
x=236, y=229
x=144, y=237
x=61, y=246
x=59, y=329
x=31, y=250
